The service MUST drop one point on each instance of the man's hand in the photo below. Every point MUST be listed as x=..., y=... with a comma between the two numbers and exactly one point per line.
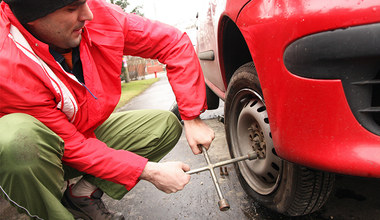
x=168, y=177
x=198, y=133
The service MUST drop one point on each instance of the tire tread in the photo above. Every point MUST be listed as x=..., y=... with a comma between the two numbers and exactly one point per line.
x=313, y=190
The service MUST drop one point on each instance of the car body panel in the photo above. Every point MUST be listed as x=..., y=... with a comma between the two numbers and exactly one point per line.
x=311, y=121
x=210, y=38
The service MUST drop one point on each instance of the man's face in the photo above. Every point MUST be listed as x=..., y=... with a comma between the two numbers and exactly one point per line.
x=62, y=29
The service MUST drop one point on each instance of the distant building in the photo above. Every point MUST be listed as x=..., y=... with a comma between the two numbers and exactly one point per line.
x=153, y=66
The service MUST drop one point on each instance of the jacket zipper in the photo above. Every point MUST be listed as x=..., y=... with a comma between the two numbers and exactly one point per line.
x=88, y=90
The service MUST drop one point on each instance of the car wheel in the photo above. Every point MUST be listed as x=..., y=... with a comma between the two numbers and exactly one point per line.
x=282, y=186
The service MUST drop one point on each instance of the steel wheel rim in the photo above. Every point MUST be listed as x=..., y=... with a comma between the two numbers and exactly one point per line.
x=250, y=121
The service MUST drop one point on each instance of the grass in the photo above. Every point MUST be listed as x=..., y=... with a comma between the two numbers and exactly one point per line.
x=132, y=89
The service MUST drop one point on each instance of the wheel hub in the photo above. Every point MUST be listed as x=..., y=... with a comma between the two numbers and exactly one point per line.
x=256, y=137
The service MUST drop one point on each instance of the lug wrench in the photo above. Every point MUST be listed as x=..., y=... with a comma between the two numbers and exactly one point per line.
x=223, y=203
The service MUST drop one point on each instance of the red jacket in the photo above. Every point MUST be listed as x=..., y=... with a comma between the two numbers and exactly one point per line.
x=32, y=82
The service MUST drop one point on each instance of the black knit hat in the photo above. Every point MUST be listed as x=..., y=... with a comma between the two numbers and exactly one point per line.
x=30, y=10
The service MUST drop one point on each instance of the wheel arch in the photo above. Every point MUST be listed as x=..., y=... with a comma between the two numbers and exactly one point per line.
x=234, y=51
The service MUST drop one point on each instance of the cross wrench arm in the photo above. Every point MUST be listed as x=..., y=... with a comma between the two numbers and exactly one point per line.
x=250, y=156
x=223, y=203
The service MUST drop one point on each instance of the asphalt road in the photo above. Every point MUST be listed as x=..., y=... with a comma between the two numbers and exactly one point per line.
x=352, y=198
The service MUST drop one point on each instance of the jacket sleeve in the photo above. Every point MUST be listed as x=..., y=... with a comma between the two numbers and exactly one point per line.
x=155, y=40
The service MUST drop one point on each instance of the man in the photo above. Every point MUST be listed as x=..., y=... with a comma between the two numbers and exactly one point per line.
x=60, y=64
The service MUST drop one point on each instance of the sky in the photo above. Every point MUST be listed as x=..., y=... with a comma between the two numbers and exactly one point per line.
x=179, y=13
x=168, y=11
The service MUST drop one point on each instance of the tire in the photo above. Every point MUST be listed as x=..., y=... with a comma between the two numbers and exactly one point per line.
x=282, y=186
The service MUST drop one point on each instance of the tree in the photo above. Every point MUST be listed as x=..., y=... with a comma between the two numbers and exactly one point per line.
x=124, y=4
x=137, y=11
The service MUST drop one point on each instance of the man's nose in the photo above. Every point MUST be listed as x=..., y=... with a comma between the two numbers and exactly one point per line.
x=86, y=13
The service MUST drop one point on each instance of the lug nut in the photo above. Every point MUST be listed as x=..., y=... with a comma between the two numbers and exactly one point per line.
x=221, y=171
x=225, y=171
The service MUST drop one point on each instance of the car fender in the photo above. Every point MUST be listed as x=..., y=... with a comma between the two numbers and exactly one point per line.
x=311, y=121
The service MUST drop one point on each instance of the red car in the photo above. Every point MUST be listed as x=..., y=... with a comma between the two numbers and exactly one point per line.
x=301, y=85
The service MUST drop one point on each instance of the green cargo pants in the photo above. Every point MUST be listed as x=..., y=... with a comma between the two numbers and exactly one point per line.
x=31, y=171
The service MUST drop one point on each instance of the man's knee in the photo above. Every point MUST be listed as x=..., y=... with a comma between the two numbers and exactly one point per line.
x=173, y=125
x=173, y=131
x=22, y=139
